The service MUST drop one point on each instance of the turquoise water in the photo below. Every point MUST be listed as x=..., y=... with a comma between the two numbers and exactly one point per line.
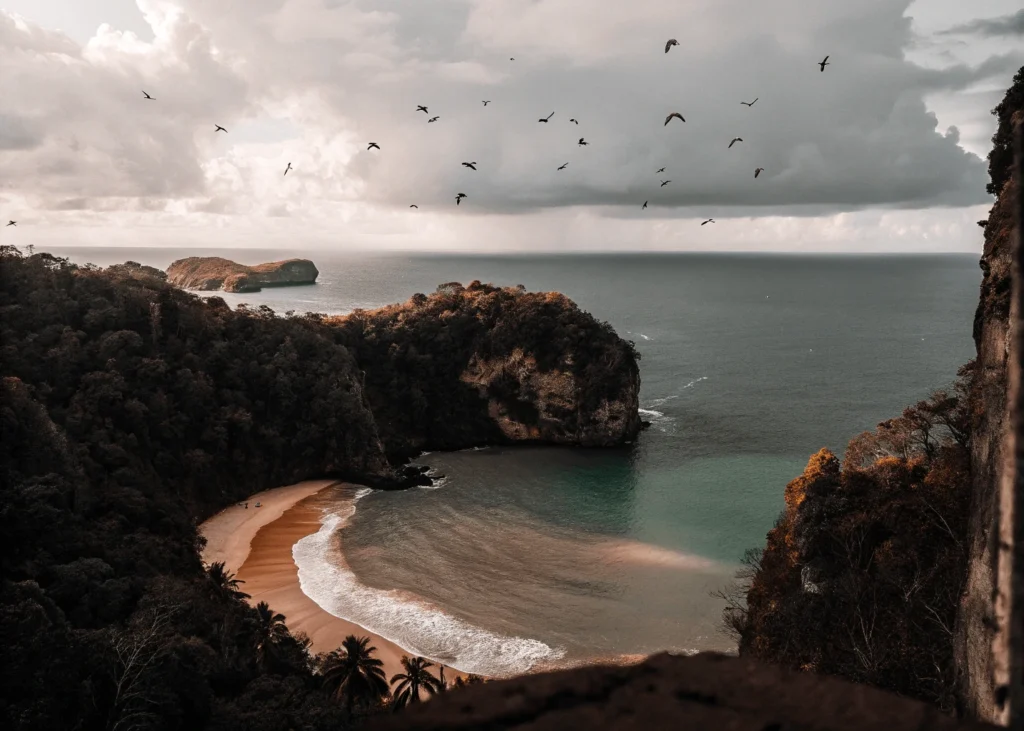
x=750, y=364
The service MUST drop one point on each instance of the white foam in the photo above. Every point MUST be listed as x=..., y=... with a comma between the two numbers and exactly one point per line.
x=650, y=412
x=694, y=382
x=412, y=623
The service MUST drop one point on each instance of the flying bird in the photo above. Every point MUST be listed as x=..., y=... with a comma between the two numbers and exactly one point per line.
x=147, y=95
x=459, y=197
x=643, y=206
x=750, y=104
x=574, y=121
x=758, y=171
x=470, y=165
x=511, y=59
x=287, y=168
x=545, y=119
x=414, y=206
x=824, y=63
x=12, y=223
x=421, y=108
x=671, y=42
x=674, y=114
x=582, y=142
x=433, y=119
x=219, y=129
x=734, y=141
x=563, y=167
x=487, y=102
x=660, y=170
x=665, y=182
x=710, y=220
x=372, y=145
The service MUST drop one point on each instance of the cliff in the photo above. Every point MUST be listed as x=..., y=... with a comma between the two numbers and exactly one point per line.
x=481, y=364
x=990, y=418
x=213, y=272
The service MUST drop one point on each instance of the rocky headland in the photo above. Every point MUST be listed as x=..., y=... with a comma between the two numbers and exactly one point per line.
x=213, y=273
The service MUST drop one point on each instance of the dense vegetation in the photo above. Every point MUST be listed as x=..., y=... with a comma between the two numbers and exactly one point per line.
x=863, y=571
x=421, y=350
x=130, y=411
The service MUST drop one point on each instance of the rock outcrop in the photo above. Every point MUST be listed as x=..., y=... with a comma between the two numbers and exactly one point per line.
x=989, y=424
x=706, y=692
x=213, y=272
x=478, y=365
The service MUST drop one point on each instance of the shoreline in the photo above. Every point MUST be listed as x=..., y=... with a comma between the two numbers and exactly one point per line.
x=256, y=545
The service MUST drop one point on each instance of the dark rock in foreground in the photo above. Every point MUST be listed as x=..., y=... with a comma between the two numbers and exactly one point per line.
x=706, y=692
x=213, y=272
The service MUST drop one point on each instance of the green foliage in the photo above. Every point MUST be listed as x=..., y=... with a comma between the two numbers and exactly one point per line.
x=862, y=573
x=1000, y=158
x=423, y=349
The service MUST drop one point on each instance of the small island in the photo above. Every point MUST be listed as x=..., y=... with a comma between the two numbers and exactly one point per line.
x=214, y=272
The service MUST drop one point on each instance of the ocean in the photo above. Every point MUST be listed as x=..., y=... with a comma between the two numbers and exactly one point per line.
x=526, y=557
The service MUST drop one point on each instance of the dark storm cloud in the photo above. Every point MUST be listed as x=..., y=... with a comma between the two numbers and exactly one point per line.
x=1005, y=25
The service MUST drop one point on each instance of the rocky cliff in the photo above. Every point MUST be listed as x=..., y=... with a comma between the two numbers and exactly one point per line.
x=213, y=272
x=989, y=419
x=481, y=365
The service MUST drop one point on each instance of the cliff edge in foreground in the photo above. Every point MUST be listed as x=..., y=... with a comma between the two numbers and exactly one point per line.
x=481, y=364
x=213, y=272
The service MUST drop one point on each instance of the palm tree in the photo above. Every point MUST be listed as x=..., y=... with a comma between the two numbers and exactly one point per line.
x=470, y=680
x=270, y=630
x=415, y=678
x=355, y=674
x=224, y=581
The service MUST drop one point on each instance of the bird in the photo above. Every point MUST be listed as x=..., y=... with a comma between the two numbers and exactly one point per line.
x=545, y=119
x=219, y=129
x=12, y=223
x=758, y=171
x=433, y=119
x=372, y=145
x=147, y=95
x=660, y=170
x=574, y=121
x=421, y=108
x=674, y=114
x=459, y=197
x=470, y=165
x=665, y=182
x=582, y=142
x=511, y=59
x=734, y=141
x=487, y=102
x=643, y=206
x=413, y=206
x=563, y=167
x=671, y=42
x=710, y=220
x=824, y=63
x=287, y=168
x=750, y=104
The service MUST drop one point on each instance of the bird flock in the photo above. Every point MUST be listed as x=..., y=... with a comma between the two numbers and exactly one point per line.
x=582, y=142
x=544, y=120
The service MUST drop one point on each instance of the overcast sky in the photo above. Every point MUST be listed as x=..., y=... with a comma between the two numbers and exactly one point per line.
x=881, y=152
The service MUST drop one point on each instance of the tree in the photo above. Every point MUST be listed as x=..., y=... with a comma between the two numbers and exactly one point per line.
x=416, y=678
x=1000, y=158
x=470, y=679
x=270, y=630
x=354, y=675
x=225, y=581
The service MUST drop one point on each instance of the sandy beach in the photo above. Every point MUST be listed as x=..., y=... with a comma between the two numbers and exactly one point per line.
x=256, y=545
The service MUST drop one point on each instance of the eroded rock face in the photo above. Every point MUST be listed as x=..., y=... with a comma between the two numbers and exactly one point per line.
x=706, y=692
x=213, y=273
x=990, y=425
x=552, y=412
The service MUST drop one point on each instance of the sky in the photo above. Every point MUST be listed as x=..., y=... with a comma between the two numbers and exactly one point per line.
x=883, y=151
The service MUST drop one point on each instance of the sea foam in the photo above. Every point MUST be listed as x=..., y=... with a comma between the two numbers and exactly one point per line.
x=408, y=621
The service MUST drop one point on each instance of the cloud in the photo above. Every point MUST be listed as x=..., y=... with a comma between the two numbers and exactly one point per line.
x=1005, y=25
x=312, y=81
